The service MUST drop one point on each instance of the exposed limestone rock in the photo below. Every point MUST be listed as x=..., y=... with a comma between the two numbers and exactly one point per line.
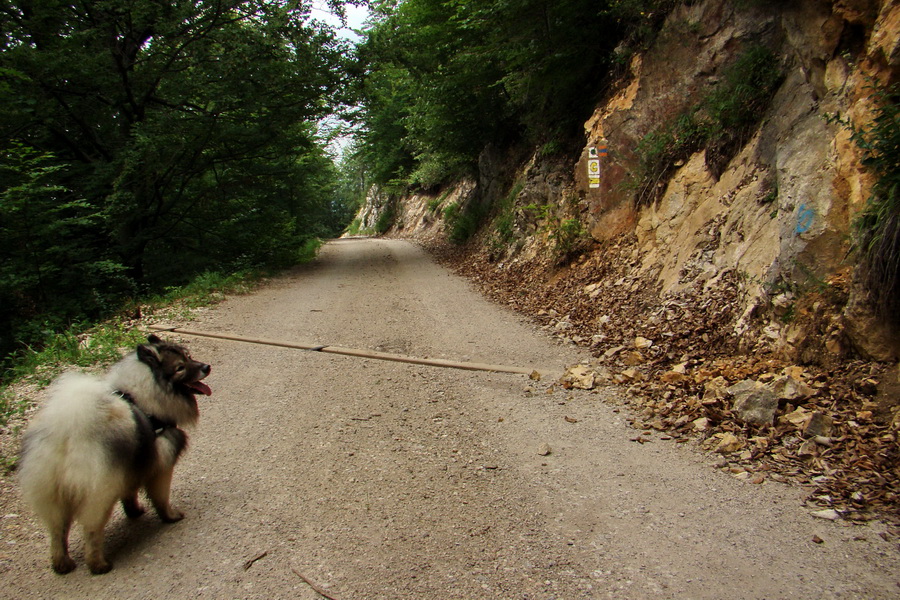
x=818, y=426
x=754, y=402
x=633, y=358
x=642, y=343
x=579, y=377
x=798, y=418
x=782, y=209
x=673, y=377
x=729, y=443
x=790, y=389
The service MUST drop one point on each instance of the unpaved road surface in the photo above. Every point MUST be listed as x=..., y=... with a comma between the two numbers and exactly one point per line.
x=375, y=479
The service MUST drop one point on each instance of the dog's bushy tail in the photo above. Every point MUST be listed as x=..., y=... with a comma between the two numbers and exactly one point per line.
x=65, y=457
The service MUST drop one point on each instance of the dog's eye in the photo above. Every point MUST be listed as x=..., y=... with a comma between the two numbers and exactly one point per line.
x=179, y=369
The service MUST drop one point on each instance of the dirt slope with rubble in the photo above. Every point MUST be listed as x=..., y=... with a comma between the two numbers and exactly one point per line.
x=729, y=304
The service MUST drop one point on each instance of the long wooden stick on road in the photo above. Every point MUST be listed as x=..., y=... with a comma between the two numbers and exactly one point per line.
x=432, y=362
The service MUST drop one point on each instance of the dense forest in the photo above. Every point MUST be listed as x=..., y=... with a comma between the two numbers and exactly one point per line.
x=145, y=142
x=443, y=80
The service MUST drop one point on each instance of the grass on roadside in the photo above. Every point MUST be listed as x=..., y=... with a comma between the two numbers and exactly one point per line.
x=96, y=345
x=87, y=345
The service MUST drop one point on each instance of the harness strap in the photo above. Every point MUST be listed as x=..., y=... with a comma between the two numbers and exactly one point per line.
x=158, y=425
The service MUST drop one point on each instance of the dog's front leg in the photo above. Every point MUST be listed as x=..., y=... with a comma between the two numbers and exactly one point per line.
x=132, y=507
x=158, y=489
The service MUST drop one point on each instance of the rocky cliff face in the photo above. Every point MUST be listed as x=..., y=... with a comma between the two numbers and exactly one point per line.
x=779, y=216
x=750, y=244
x=716, y=281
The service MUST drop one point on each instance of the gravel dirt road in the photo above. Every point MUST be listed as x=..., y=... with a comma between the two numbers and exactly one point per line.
x=368, y=479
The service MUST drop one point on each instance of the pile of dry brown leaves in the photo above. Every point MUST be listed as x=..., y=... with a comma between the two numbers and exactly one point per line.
x=836, y=429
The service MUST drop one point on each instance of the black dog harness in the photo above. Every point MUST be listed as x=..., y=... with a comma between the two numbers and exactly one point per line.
x=158, y=425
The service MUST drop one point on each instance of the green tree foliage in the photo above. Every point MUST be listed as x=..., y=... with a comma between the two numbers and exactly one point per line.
x=145, y=141
x=430, y=104
x=46, y=257
x=443, y=79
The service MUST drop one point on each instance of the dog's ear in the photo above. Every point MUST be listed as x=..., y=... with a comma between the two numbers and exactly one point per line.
x=148, y=354
x=153, y=339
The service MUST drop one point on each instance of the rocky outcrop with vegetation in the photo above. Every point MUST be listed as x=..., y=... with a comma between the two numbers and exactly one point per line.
x=722, y=263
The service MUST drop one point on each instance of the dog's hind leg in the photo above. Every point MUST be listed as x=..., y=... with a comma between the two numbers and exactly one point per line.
x=158, y=489
x=94, y=519
x=59, y=526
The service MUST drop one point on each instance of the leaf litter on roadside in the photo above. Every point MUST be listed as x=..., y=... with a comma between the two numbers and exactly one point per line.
x=834, y=428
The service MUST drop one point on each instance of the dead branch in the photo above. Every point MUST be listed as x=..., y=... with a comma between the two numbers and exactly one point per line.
x=315, y=588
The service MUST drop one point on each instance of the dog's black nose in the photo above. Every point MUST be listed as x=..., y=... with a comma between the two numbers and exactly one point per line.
x=206, y=369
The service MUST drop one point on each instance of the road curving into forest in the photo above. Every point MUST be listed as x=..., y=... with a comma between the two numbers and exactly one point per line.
x=318, y=475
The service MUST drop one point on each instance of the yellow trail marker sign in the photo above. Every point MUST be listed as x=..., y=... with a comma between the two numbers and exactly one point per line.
x=593, y=172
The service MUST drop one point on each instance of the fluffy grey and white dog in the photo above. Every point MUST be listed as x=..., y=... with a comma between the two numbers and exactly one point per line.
x=97, y=441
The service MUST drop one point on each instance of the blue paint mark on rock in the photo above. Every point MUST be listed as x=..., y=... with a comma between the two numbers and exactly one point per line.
x=805, y=218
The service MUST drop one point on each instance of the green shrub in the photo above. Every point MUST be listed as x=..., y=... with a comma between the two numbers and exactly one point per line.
x=878, y=227
x=354, y=227
x=438, y=168
x=551, y=148
x=451, y=213
x=540, y=212
x=434, y=205
x=567, y=236
x=386, y=218
x=721, y=123
x=462, y=222
x=504, y=222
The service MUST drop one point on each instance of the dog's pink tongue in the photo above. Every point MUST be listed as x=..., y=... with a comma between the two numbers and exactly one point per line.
x=202, y=388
